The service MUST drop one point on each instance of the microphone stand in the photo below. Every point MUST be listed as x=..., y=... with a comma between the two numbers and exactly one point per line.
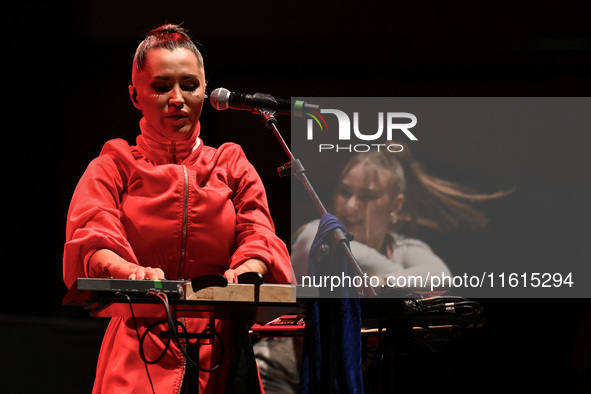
x=339, y=237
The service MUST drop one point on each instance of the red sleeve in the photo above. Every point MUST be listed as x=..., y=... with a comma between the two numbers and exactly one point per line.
x=94, y=218
x=255, y=231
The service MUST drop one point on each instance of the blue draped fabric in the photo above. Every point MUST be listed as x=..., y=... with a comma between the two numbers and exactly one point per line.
x=332, y=338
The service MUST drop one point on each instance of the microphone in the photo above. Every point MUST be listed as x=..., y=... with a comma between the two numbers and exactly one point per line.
x=222, y=98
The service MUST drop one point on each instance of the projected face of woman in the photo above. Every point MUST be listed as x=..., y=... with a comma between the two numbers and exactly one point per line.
x=170, y=91
x=364, y=203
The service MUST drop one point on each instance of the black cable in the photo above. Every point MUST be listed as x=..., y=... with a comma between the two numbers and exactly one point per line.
x=456, y=305
x=143, y=338
x=198, y=343
x=138, y=337
x=149, y=328
x=174, y=336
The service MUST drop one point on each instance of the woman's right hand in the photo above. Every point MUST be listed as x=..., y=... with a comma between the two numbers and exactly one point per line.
x=105, y=263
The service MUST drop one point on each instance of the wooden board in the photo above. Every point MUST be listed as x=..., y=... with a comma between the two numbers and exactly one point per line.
x=236, y=292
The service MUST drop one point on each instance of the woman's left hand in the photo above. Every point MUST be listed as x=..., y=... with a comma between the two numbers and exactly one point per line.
x=252, y=265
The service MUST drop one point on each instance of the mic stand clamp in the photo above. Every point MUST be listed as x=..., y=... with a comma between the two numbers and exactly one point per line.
x=286, y=168
x=268, y=117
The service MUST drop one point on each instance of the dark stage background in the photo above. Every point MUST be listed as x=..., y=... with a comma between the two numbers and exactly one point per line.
x=67, y=65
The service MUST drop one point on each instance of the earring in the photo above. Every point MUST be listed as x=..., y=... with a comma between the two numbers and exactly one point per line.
x=393, y=217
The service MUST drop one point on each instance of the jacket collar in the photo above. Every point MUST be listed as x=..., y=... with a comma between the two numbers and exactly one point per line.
x=162, y=150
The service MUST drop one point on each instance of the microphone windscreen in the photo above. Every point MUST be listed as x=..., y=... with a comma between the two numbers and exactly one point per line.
x=220, y=99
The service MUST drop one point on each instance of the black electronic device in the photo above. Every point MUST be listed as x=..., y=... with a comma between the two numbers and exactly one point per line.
x=173, y=288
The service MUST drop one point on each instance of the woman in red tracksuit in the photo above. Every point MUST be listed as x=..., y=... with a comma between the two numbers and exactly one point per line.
x=168, y=208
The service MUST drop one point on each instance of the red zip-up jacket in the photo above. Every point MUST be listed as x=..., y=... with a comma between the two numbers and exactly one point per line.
x=204, y=215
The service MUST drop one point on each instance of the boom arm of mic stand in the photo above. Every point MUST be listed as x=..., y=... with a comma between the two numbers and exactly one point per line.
x=298, y=170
